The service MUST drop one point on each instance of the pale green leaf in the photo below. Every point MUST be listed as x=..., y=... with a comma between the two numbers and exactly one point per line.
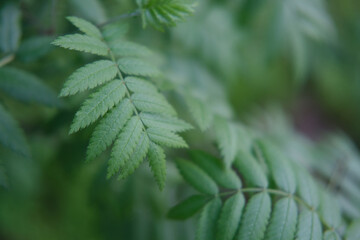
x=137, y=67
x=114, y=32
x=129, y=49
x=196, y=177
x=283, y=220
x=26, y=87
x=10, y=30
x=207, y=220
x=280, y=167
x=86, y=27
x=98, y=104
x=89, y=76
x=307, y=189
x=108, y=128
x=255, y=218
x=82, y=43
x=138, y=85
x=188, y=207
x=250, y=169
x=331, y=235
x=224, y=177
x=199, y=111
x=136, y=158
x=330, y=209
x=230, y=217
x=11, y=135
x=154, y=103
x=157, y=164
x=353, y=232
x=309, y=226
x=165, y=122
x=125, y=145
x=164, y=137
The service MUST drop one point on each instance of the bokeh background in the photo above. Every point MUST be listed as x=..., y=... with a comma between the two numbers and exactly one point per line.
x=287, y=68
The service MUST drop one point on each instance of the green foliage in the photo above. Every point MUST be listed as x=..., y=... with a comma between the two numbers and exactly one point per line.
x=123, y=102
x=161, y=13
x=262, y=209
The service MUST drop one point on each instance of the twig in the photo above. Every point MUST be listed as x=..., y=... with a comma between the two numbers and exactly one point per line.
x=5, y=60
x=119, y=17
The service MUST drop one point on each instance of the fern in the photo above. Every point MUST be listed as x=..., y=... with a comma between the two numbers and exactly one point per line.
x=278, y=205
x=136, y=118
x=161, y=13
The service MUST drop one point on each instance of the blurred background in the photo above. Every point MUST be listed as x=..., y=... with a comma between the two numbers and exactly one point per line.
x=288, y=69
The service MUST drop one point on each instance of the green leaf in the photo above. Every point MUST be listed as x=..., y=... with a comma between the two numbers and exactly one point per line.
x=227, y=136
x=279, y=166
x=283, y=220
x=154, y=103
x=250, y=169
x=196, y=177
x=108, y=128
x=114, y=32
x=33, y=48
x=353, y=232
x=224, y=177
x=330, y=209
x=188, y=207
x=26, y=87
x=89, y=76
x=165, y=12
x=200, y=112
x=166, y=138
x=165, y=122
x=82, y=43
x=157, y=164
x=11, y=135
x=331, y=235
x=207, y=220
x=137, y=67
x=10, y=30
x=125, y=145
x=255, y=218
x=86, y=27
x=138, y=85
x=230, y=217
x=307, y=189
x=129, y=49
x=93, y=10
x=309, y=226
x=136, y=158
x=98, y=104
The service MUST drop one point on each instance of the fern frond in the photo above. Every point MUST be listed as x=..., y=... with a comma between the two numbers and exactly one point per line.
x=206, y=174
x=137, y=118
x=82, y=43
x=283, y=220
x=164, y=12
x=98, y=104
x=89, y=76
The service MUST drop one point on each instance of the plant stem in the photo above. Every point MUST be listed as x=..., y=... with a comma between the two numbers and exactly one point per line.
x=119, y=17
x=7, y=59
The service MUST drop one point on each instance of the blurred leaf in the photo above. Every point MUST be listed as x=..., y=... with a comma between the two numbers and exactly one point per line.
x=10, y=29
x=34, y=48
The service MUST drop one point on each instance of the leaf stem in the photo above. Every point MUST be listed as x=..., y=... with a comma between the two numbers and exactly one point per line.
x=7, y=59
x=119, y=17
